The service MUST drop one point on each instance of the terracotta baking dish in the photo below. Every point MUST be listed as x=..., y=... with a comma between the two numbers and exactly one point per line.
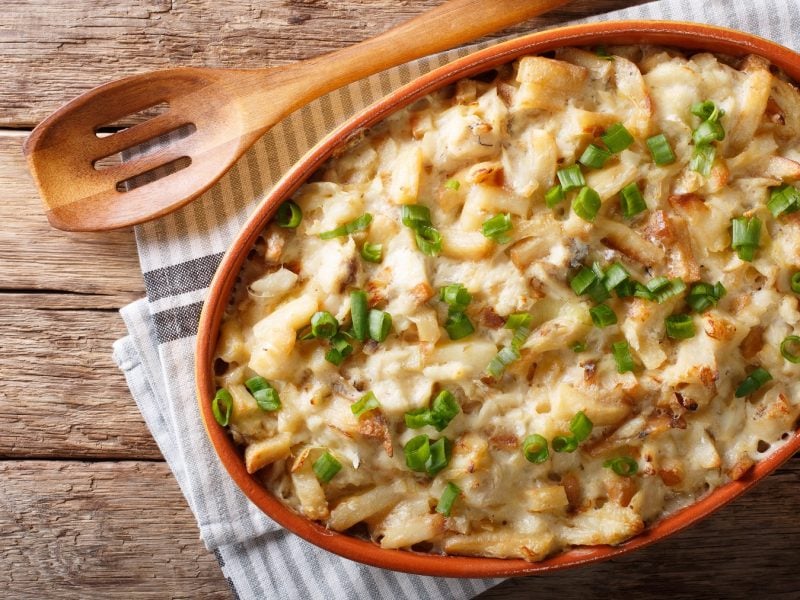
x=685, y=35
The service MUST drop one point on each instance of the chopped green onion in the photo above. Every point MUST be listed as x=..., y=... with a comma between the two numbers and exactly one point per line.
x=265, y=395
x=660, y=150
x=783, y=199
x=631, y=200
x=707, y=132
x=456, y=296
x=570, y=178
x=443, y=409
x=622, y=356
x=586, y=204
x=497, y=228
x=326, y=466
x=380, y=324
x=564, y=443
x=439, y=456
x=622, y=465
x=359, y=224
x=703, y=159
x=534, y=447
x=626, y=289
x=518, y=320
x=339, y=350
x=581, y=283
x=452, y=184
x=415, y=215
x=617, y=138
x=657, y=284
x=707, y=111
x=448, y=497
x=418, y=417
x=366, y=403
x=359, y=313
x=703, y=296
x=614, y=275
x=602, y=315
x=578, y=347
x=324, y=325
x=417, y=452
x=752, y=382
x=602, y=52
x=719, y=290
x=673, y=288
x=458, y=325
x=506, y=356
x=221, y=406
x=289, y=215
x=555, y=195
x=372, y=252
x=746, y=236
x=680, y=327
x=429, y=240
x=641, y=291
x=594, y=156
x=790, y=348
x=794, y=282
x=581, y=426
x=520, y=335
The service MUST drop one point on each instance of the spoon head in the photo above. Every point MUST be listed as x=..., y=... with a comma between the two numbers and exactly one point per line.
x=92, y=182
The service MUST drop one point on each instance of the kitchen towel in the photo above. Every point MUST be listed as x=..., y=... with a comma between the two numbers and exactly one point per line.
x=179, y=254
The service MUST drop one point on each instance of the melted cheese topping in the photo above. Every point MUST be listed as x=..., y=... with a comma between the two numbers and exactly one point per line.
x=675, y=415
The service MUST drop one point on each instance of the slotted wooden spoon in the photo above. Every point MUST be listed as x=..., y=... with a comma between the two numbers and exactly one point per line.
x=229, y=110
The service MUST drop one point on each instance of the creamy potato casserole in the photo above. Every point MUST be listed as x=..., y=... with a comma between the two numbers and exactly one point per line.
x=537, y=309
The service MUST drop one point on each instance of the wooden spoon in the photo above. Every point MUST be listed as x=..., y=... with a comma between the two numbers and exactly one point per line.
x=226, y=110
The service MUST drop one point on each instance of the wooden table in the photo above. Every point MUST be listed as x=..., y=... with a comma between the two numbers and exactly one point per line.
x=88, y=508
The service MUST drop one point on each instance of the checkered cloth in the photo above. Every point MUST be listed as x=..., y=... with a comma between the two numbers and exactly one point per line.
x=179, y=254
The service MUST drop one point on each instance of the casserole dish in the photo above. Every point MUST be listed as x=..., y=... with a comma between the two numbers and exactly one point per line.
x=681, y=35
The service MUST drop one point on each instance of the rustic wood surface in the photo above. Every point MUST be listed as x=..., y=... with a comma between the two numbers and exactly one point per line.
x=88, y=509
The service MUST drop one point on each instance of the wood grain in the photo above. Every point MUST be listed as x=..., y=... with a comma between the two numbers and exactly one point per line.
x=53, y=51
x=61, y=393
x=34, y=256
x=100, y=530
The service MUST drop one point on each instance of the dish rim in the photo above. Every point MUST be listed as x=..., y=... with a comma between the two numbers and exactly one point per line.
x=690, y=36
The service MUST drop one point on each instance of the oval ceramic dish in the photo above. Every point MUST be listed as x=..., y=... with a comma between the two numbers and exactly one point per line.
x=684, y=35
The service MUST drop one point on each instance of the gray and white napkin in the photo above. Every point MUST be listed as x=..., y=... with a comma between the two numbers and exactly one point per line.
x=179, y=254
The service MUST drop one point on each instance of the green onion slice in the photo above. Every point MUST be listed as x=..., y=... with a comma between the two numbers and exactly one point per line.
x=703, y=296
x=324, y=325
x=707, y=111
x=617, y=138
x=517, y=320
x=564, y=443
x=443, y=409
x=366, y=403
x=622, y=465
x=534, y=447
x=703, y=159
x=586, y=204
x=673, y=288
x=458, y=325
x=506, y=356
x=497, y=228
x=602, y=315
x=707, y=132
x=339, y=350
x=417, y=418
x=415, y=215
x=746, y=234
x=448, y=497
x=372, y=252
x=452, y=184
x=584, y=279
x=614, y=275
x=359, y=313
x=221, y=406
x=581, y=426
x=439, y=456
x=602, y=52
x=289, y=215
x=594, y=156
x=265, y=395
x=417, y=452
x=429, y=240
x=623, y=358
x=783, y=199
x=626, y=289
x=570, y=178
x=752, y=382
x=578, y=347
x=555, y=195
x=660, y=150
x=680, y=327
x=359, y=224
x=631, y=200
x=380, y=324
x=456, y=296
x=325, y=467
x=790, y=348
x=794, y=282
